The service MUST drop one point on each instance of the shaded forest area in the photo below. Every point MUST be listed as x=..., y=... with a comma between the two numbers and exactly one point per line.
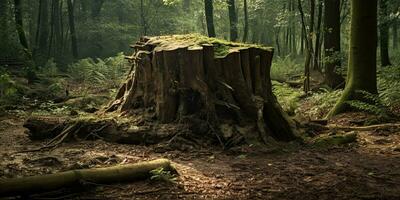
x=203, y=99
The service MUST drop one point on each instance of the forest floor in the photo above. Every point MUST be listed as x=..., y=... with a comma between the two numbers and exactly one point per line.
x=366, y=169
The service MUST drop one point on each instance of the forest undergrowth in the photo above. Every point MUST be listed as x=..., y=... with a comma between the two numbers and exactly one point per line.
x=345, y=163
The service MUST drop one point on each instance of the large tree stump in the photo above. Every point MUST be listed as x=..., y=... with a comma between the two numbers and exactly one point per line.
x=218, y=81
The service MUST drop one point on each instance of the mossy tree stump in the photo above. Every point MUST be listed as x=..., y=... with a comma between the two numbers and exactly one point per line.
x=194, y=76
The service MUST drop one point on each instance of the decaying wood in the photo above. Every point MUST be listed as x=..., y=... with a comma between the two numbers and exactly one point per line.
x=174, y=78
x=74, y=178
x=178, y=76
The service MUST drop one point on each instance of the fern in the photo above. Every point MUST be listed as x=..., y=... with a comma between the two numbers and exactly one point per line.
x=370, y=103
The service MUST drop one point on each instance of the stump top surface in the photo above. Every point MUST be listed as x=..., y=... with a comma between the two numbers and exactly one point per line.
x=196, y=41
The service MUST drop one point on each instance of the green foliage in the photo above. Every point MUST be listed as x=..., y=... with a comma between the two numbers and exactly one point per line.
x=319, y=104
x=288, y=97
x=108, y=72
x=160, y=174
x=284, y=68
x=8, y=89
x=51, y=108
x=370, y=103
x=389, y=85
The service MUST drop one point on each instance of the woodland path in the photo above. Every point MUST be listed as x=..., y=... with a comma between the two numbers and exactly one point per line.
x=368, y=169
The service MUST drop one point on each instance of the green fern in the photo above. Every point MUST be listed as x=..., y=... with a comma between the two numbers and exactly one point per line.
x=160, y=174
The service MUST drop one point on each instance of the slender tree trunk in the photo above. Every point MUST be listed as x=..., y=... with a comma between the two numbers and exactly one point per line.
x=361, y=74
x=395, y=34
x=384, y=32
x=317, y=51
x=71, y=17
x=29, y=63
x=143, y=18
x=209, y=9
x=4, y=32
x=43, y=32
x=20, y=25
x=246, y=21
x=57, y=30
x=233, y=20
x=308, y=42
x=97, y=5
x=332, y=43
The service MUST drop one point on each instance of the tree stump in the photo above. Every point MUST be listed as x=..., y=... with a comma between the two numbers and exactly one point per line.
x=217, y=81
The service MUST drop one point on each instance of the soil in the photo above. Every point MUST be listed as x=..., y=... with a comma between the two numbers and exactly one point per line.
x=368, y=169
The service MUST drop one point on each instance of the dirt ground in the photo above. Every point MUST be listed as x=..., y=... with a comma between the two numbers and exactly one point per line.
x=368, y=169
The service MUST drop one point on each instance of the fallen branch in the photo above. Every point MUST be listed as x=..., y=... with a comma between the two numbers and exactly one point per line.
x=355, y=128
x=365, y=128
x=116, y=174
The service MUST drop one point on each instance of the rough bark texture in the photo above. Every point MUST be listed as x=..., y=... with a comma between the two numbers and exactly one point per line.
x=74, y=178
x=209, y=9
x=361, y=75
x=71, y=20
x=384, y=32
x=180, y=76
x=233, y=20
x=332, y=43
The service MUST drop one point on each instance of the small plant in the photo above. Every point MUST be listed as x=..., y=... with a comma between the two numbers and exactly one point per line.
x=160, y=174
x=284, y=68
x=288, y=97
x=389, y=85
x=107, y=73
x=8, y=90
x=319, y=104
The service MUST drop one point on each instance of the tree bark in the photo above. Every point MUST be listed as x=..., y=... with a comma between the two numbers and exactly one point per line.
x=233, y=20
x=384, y=32
x=143, y=19
x=246, y=21
x=4, y=31
x=332, y=37
x=20, y=26
x=71, y=19
x=42, y=33
x=209, y=10
x=180, y=78
x=74, y=178
x=361, y=75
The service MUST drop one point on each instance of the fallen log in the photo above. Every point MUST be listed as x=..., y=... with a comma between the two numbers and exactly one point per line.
x=108, y=175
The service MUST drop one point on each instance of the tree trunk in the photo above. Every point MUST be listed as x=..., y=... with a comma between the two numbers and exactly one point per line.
x=4, y=32
x=43, y=33
x=143, y=19
x=71, y=18
x=20, y=25
x=57, y=30
x=209, y=10
x=395, y=34
x=181, y=76
x=97, y=5
x=246, y=22
x=233, y=20
x=317, y=48
x=384, y=32
x=332, y=43
x=361, y=74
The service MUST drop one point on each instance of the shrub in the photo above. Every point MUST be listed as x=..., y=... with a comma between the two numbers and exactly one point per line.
x=284, y=68
x=288, y=97
x=108, y=72
x=389, y=85
x=319, y=104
